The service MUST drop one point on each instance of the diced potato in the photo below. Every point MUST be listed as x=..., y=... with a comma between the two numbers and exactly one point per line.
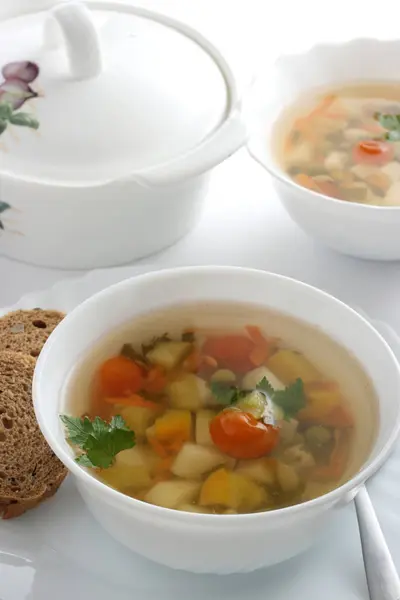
x=288, y=430
x=139, y=418
x=223, y=376
x=169, y=354
x=193, y=508
x=203, y=420
x=173, y=424
x=171, y=494
x=357, y=191
x=356, y=135
x=261, y=470
x=287, y=477
x=129, y=472
x=363, y=171
x=232, y=491
x=300, y=156
x=392, y=170
x=380, y=181
x=253, y=378
x=193, y=461
x=152, y=460
x=299, y=457
x=392, y=197
x=335, y=161
x=289, y=365
x=188, y=392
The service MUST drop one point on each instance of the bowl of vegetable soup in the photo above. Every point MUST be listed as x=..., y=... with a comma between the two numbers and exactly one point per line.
x=327, y=128
x=209, y=409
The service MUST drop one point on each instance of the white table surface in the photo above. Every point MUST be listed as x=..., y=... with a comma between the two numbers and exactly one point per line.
x=243, y=222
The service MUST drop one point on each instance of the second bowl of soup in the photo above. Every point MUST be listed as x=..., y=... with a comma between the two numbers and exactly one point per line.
x=329, y=133
x=239, y=417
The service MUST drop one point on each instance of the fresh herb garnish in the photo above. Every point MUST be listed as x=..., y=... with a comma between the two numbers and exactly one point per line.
x=392, y=124
x=226, y=394
x=129, y=351
x=100, y=441
x=156, y=340
x=291, y=399
x=265, y=386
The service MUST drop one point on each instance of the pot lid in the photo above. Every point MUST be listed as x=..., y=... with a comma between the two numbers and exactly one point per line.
x=93, y=94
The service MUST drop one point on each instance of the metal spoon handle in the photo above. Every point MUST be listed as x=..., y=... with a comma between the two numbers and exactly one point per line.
x=382, y=578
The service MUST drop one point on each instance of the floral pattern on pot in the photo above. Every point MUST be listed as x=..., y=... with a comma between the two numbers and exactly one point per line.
x=3, y=207
x=15, y=90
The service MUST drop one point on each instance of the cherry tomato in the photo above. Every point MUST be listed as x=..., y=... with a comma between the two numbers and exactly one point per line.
x=240, y=435
x=230, y=351
x=373, y=152
x=120, y=376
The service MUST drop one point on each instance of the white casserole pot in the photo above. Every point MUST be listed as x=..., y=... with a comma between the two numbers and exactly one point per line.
x=361, y=230
x=198, y=542
x=111, y=118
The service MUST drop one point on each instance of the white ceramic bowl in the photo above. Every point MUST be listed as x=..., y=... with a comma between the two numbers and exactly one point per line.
x=197, y=542
x=370, y=232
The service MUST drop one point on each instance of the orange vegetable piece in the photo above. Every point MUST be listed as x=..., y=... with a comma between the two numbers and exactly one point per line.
x=120, y=376
x=256, y=335
x=192, y=362
x=155, y=381
x=133, y=400
x=329, y=188
x=230, y=351
x=240, y=435
x=373, y=152
x=307, y=182
x=338, y=459
x=337, y=416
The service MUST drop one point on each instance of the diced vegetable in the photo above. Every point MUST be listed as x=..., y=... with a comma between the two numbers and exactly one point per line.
x=230, y=351
x=130, y=471
x=338, y=416
x=356, y=191
x=287, y=477
x=253, y=378
x=306, y=181
x=260, y=470
x=299, y=457
x=232, y=491
x=120, y=376
x=155, y=381
x=168, y=354
x=338, y=461
x=288, y=430
x=203, y=420
x=240, y=435
x=253, y=403
x=363, y=171
x=373, y=152
x=289, y=365
x=300, y=156
x=188, y=392
x=324, y=399
x=317, y=436
x=392, y=170
x=171, y=494
x=193, y=461
x=223, y=376
x=392, y=197
x=139, y=418
x=335, y=161
x=172, y=429
x=379, y=181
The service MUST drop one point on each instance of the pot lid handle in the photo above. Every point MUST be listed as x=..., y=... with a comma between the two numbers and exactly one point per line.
x=80, y=37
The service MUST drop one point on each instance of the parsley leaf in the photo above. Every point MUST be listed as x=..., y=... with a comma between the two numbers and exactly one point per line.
x=100, y=441
x=291, y=399
x=265, y=386
x=225, y=394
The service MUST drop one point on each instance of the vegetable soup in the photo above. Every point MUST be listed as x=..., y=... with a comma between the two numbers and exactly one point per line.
x=205, y=409
x=346, y=143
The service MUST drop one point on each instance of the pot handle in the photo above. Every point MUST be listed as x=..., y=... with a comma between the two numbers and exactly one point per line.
x=213, y=150
x=81, y=39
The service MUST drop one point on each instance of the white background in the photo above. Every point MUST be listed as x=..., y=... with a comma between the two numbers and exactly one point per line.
x=243, y=222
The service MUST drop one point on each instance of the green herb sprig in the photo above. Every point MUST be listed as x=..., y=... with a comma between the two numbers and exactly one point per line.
x=392, y=124
x=99, y=441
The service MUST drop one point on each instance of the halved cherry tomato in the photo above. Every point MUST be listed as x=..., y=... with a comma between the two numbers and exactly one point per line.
x=230, y=351
x=240, y=435
x=120, y=376
x=373, y=152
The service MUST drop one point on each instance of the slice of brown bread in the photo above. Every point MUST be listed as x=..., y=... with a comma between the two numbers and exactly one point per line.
x=26, y=331
x=29, y=470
